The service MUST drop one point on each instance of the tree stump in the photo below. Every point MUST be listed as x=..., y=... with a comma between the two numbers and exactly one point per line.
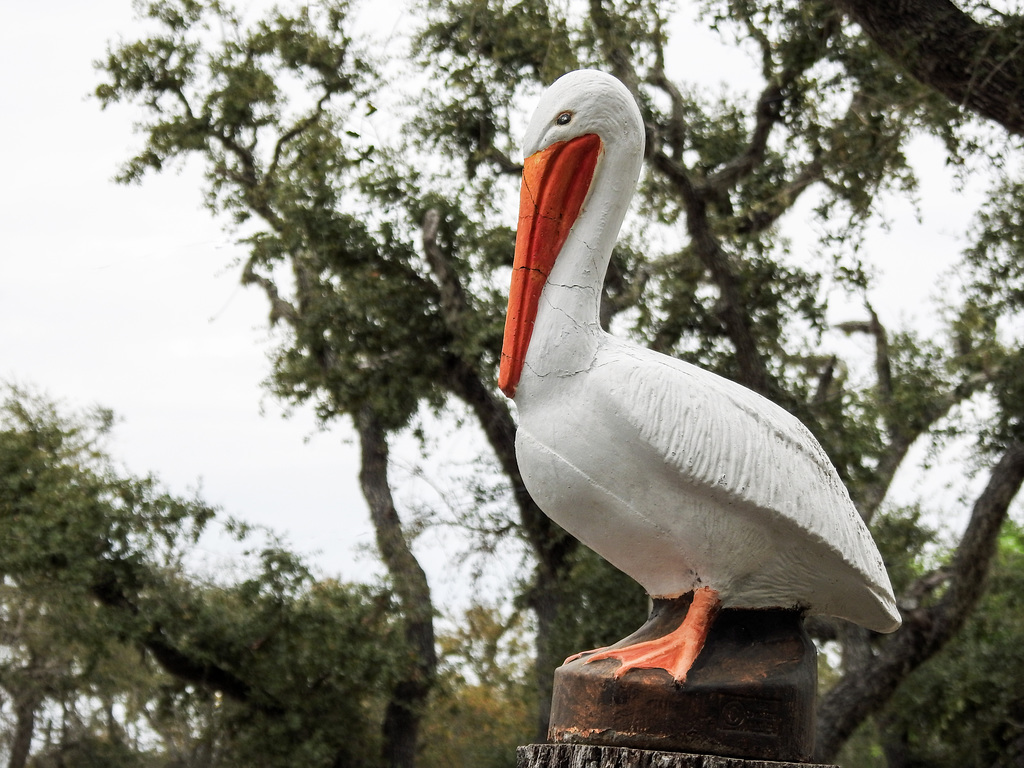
x=588, y=756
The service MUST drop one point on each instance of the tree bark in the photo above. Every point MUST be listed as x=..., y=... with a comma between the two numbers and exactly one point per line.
x=976, y=66
x=409, y=697
x=25, y=706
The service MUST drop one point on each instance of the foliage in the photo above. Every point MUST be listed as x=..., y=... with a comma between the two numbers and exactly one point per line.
x=114, y=654
x=316, y=658
x=482, y=706
x=964, y=707
x=905, y=542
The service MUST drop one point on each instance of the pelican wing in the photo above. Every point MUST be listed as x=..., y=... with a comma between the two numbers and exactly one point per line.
x=729, y=443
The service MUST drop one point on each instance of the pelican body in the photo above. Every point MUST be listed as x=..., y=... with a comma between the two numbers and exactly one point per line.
x=686, y=481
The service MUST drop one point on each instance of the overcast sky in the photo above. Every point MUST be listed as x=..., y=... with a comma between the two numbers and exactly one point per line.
x=127, y=297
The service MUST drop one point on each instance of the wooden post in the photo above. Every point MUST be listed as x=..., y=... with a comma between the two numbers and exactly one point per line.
x=749, y=695
x=590, y=756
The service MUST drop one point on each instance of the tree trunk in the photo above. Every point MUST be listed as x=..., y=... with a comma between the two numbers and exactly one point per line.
x=545, y=600
x=550, y=544
x=409, y=582
x=25, y=706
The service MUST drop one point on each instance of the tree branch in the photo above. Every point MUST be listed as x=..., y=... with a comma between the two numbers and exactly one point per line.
x=677, y=128
x=753, y=372
x=453, y=297
x=613, y=46
x=503, y=162
x=297, y=130
x=767, y=116
x=280, y=309
x=210, y=676
x=978, y=67
x=883, y=367
x=901, y=432
x=874, y=493
x=765, y=217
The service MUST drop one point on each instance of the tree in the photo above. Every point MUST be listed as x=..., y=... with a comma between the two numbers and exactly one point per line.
x=108, y=639
x=386, y=265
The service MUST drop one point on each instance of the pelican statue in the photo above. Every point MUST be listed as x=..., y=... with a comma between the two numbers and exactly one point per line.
x=686, y=481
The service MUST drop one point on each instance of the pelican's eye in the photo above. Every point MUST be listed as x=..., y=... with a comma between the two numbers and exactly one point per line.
x=564, y=118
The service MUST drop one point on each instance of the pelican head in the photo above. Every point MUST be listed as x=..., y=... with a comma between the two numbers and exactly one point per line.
x=582, y=102
x=584, y=149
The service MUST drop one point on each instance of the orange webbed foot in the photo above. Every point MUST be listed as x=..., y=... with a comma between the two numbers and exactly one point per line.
x=674, y=652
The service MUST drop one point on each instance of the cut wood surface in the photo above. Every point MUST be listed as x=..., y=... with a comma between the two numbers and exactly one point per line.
x=586, y=756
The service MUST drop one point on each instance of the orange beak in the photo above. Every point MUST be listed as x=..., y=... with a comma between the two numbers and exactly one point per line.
x=555, y=184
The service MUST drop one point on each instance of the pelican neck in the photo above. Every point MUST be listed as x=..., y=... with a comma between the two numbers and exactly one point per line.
x=567, y=329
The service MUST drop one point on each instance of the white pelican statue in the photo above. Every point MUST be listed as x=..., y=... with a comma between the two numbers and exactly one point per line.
x=686, y=481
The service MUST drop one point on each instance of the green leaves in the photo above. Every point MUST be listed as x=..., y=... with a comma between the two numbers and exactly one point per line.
x=962, y=708
x=65, y=512
x=97, y=604
x=482, y=55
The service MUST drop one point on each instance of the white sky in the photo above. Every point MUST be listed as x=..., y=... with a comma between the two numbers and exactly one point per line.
x=127, y=297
